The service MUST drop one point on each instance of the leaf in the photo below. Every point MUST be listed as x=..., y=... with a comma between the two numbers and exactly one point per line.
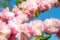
x=47, y=33
x=36, y=13
x=46, y=37
x=42, y=37
x=58, y=0
x=37, y=38
x=19, y=2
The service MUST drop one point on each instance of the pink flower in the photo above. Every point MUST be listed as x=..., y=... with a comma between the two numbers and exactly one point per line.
x=13, y=24
x=22, y=36
x=21, y=18
x=44, y=5
x=13, y=34
x=36, y=28
x=29, y=5
x=51, y=25
x=23, y=32
x=31, y=29
x=18, y=28
x=15, y=10
x=6, y=14
x=4, y=31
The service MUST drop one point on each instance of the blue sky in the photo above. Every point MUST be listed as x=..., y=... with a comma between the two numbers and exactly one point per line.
x=54, y=13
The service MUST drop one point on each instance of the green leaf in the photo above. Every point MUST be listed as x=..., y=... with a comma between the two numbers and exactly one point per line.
x=19, y=2
x=36, y=13
x=46, y=37
x=42, y=37
x=58, y=0
x=47, y=33
x=37, y=38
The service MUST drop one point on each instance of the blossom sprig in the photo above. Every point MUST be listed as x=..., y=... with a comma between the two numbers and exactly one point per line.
x=41, y=5
x=17, y=28
x=13, y=23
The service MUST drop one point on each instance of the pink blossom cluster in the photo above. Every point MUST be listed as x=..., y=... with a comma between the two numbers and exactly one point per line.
x=40, y=5
x=13, y=23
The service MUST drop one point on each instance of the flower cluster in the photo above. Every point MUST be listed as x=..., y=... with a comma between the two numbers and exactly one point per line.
x=40, y=5
x=13, y=23
x=17, y=28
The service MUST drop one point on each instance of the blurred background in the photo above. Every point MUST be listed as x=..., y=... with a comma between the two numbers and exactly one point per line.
x=53, y=13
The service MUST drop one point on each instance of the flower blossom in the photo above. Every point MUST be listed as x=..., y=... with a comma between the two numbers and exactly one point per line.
x=4, y=31
x=13, y=23
x=52, y=25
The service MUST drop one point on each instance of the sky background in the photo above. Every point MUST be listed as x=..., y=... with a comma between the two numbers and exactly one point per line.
x=53, y=13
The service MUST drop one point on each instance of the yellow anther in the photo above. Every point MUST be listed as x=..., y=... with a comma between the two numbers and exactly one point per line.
x=1, y=33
